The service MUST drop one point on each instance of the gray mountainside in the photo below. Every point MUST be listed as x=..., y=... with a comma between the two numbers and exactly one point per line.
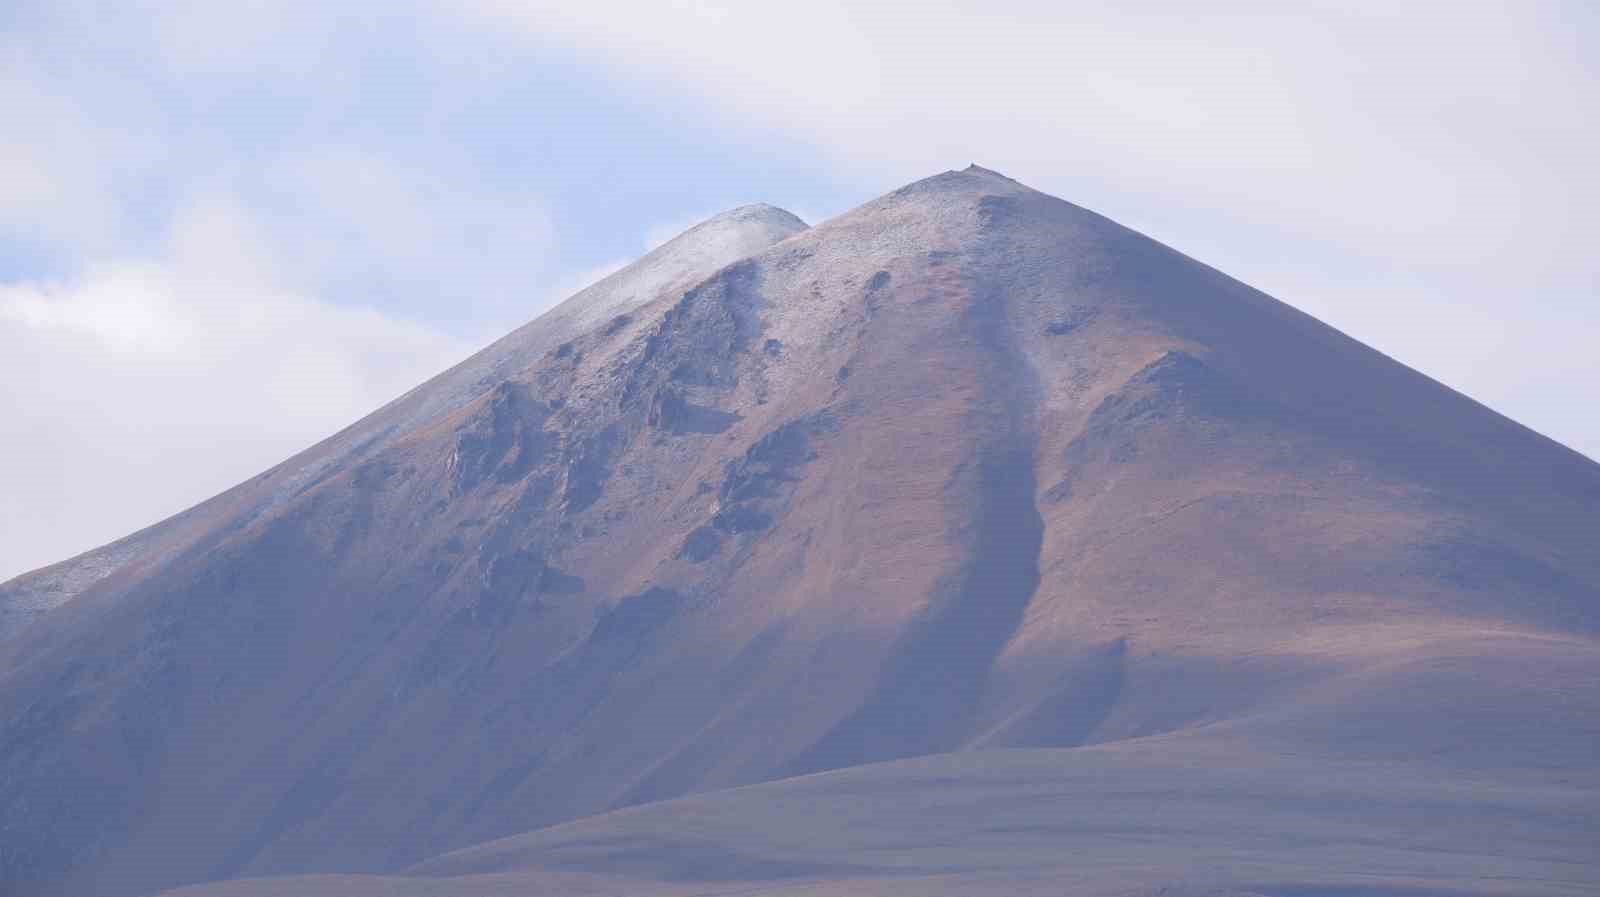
x=1119, y=547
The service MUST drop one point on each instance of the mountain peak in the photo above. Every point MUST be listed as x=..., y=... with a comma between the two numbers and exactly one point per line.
x=972, y=179
x=976, y=169
x=717, y=241
x=758, y=223
x=760, y=212
x=967, y=468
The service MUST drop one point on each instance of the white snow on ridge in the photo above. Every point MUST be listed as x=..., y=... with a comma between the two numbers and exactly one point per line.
x=677, y=264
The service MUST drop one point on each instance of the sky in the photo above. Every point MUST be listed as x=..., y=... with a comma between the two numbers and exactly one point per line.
x=227, y=230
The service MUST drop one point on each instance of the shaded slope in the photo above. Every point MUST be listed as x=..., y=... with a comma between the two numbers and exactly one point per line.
x=968, y=467
x=1177, y=816
x=1102, y=821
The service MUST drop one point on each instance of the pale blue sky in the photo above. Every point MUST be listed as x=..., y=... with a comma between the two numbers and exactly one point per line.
x=228, y=229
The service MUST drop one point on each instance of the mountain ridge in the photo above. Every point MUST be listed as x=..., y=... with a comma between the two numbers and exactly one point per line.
x=698, y=251
x=967, y=468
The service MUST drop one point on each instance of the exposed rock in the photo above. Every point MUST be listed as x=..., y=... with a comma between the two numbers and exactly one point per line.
x=756, y=505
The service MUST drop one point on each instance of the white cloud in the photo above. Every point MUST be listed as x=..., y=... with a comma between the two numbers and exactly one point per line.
x=57, y=159
x=343, y=212
x=1425, y=132
x=121, y=118
x=144, y=386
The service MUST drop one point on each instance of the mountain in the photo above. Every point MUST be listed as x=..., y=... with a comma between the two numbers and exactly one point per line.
x=1164, y=584
x=677, y=264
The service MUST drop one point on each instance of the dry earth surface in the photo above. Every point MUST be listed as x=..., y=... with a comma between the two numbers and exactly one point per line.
x=1014, y=552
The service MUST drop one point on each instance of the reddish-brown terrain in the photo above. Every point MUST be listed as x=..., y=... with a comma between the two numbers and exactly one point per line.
x=1162, y=583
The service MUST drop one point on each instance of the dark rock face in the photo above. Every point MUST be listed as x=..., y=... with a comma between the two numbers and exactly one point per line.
x=969, y=467
x=504, y=441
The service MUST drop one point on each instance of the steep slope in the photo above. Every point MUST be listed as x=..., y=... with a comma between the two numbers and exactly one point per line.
x=968, y=467
x=675, y=265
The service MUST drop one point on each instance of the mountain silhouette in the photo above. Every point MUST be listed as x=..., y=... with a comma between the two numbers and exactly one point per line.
x=1029, y=554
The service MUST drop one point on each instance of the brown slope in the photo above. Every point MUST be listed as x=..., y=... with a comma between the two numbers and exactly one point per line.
x=967, y=467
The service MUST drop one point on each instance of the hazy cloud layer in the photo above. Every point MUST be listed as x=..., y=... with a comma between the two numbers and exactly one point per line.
x=1418, y=174
x=1391, y=126
x=139, y=386
x=226, y=234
